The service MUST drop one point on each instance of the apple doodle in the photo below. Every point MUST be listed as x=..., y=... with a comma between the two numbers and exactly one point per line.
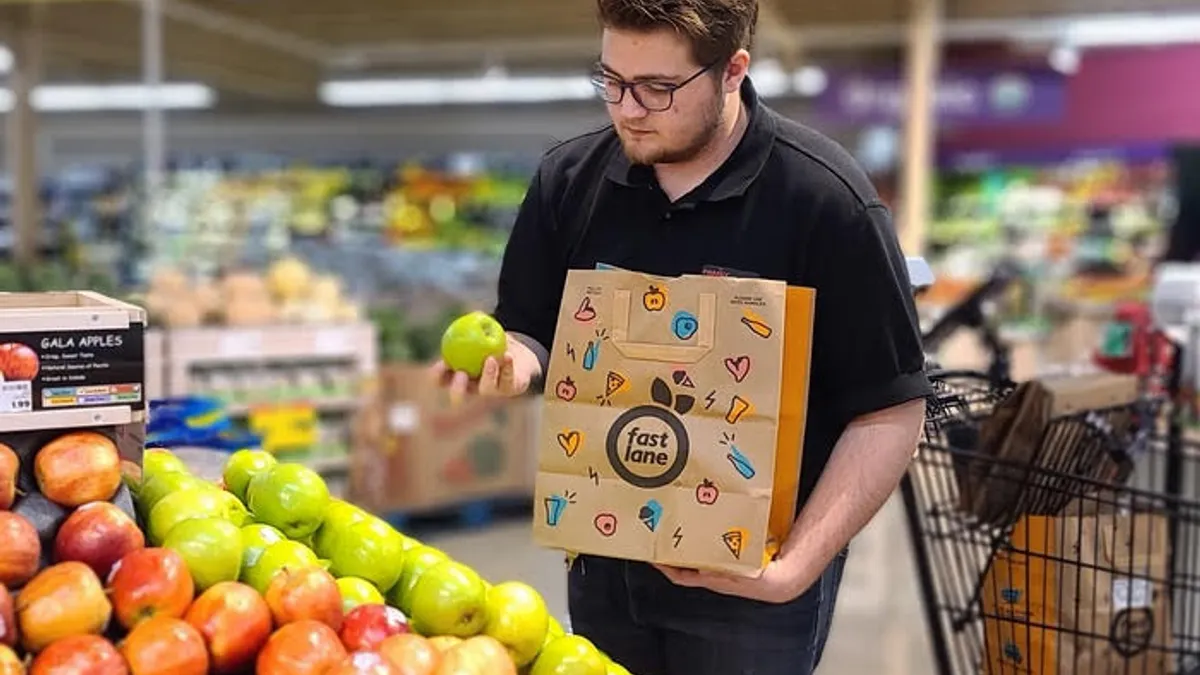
x=586, y=312
x=606, y=524
x=566, y=389
x=570, y=441
x=684, y=325
x=654, y=299
x=707, y=493
x=651, y=514
x=735, y=540
x=738, y=367
x=738, y=408
x=756, y=324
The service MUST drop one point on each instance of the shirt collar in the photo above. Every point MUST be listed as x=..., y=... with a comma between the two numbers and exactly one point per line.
x=734, y=176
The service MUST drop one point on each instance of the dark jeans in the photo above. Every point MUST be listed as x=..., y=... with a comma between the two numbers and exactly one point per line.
x=653, y=627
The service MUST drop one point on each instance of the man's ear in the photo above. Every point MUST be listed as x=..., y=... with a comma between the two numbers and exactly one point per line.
x=736, y=71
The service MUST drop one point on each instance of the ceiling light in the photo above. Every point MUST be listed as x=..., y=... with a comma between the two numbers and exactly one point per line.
x=78, y=98
x=6, y=60
x=770, y=79
x=810, y=81
x=1138, y=29
x=1065, y=59
x=434, y=91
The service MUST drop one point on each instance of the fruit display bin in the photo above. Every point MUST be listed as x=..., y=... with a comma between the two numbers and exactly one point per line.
x=70, y=360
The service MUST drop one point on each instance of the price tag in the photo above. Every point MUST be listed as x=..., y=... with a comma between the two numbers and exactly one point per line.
x=1131, y=594
x=16, y=397
x=332, y=341
x=240, y=343
x=291, y=427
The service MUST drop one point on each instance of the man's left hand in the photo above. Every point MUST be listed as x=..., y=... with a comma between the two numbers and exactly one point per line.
x=777, y=583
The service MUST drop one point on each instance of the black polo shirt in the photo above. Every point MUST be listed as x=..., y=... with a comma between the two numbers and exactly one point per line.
x=789, y=204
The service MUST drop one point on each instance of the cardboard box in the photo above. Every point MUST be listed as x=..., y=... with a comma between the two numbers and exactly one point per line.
x=414, y=451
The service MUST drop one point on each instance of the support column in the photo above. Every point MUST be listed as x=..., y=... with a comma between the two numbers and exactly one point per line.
x=920, y=122
x=22, y=139
x=153, y=123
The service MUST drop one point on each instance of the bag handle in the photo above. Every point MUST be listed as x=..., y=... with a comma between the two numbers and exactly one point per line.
x=651, y=351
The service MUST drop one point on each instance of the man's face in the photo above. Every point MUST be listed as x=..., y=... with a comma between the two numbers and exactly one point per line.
x=657, y=61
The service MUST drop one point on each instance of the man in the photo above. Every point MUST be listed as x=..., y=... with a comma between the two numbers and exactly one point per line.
x=696, y=175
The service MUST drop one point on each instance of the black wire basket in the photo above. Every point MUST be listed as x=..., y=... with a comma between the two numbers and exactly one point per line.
x=1071, y=559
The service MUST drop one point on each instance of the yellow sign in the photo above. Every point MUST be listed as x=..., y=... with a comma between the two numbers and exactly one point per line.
x=285, y=427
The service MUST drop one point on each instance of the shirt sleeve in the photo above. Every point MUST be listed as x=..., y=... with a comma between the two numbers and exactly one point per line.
x=533, y=270
x=867, y=353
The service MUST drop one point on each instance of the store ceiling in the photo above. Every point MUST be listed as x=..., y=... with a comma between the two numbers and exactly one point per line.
x=280, y=49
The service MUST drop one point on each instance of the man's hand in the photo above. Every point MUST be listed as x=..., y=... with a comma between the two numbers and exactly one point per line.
x=776, y=583
x=510, y=375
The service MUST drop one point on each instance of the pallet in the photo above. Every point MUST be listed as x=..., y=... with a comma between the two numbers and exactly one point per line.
x=468, y=515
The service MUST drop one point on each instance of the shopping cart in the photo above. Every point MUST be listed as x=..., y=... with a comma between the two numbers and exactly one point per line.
x=1081, y=556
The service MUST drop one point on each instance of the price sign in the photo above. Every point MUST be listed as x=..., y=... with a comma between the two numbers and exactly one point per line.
x=285, y=427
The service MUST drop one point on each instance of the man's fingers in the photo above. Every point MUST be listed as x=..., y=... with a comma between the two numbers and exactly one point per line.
x=460, y=383
x=490, y=377
x=439, y=373
x=506, y=382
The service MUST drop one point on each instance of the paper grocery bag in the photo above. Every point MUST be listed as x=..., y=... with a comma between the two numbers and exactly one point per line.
x=674, y=418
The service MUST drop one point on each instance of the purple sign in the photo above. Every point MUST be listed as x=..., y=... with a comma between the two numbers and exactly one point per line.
x=962, y=98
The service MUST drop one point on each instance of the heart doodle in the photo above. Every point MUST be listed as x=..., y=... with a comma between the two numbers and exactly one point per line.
x=585, y=312
x=570, y=442
x=738, y=367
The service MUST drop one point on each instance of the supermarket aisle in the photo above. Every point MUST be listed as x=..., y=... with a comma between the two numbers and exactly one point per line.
x=878, y=628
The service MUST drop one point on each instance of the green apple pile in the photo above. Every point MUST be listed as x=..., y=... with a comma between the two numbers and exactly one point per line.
x=268, y=521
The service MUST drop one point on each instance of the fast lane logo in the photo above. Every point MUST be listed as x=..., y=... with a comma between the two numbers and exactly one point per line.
x=648, y=445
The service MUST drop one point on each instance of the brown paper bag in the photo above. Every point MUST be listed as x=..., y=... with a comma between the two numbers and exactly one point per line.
x=673, y=420
x=1080, y=594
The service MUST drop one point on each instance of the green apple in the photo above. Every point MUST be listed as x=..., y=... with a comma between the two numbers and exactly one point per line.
x=187, y=504
x=449, y=599
x=292, y=498
x=157, y=461
x=282, y=554
x=235, y=510
x=256, y=537
x=415, y=564
x=154, y=488
x=569, y=655
x=356, y=591
x=518, y=618
x=369, y=549
x=470, y=339
x=613, y=668
x=211, y=547
x=555, y=629
x=244, y=465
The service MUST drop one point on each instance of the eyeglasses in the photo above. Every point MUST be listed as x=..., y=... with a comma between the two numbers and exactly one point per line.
x=651, y=95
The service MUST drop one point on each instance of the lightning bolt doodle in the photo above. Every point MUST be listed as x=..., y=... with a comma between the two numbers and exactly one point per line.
x=710, y=399
x=571, y=352
x=677, y=536
x=594, y=475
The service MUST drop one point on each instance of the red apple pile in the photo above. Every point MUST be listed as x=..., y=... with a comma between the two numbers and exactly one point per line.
x=263, y=572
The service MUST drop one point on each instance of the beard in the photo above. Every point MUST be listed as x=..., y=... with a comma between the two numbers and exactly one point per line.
x=689, y=147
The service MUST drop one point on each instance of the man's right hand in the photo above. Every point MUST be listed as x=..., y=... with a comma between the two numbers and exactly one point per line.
x=510, y=375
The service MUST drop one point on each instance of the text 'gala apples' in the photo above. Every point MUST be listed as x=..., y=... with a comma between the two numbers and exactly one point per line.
x=244, y=465
x=274, y=559
x=211, y=547
x=301, y=648
x=150, y=582
x=165, y=646
x=292, y=498
x=305, y=594
x=449, y=599
x=357, y=592
x=97, y=534
x=77, y=468
x=367, y=626
x=62, y=600
x=470, y=339
x=79, y=655
x=518, y=618
x=411, y=653
x=480, y=655
x=235, y=623
x=8, y=618
x=20, y=549
x=364, y=663
x=10, y=466
x=10, y=663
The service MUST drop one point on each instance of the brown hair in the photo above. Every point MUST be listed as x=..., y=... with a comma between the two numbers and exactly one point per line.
x=716, y=29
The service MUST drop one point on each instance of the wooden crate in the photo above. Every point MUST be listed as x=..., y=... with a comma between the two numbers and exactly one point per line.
x=70, y=360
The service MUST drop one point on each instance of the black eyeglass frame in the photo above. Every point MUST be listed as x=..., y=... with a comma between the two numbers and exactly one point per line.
x=601, y=79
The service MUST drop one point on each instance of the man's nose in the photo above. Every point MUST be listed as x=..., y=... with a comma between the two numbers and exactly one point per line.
x=630, y=107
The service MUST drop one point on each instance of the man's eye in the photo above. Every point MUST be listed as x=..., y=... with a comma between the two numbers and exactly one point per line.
x=659, y=87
